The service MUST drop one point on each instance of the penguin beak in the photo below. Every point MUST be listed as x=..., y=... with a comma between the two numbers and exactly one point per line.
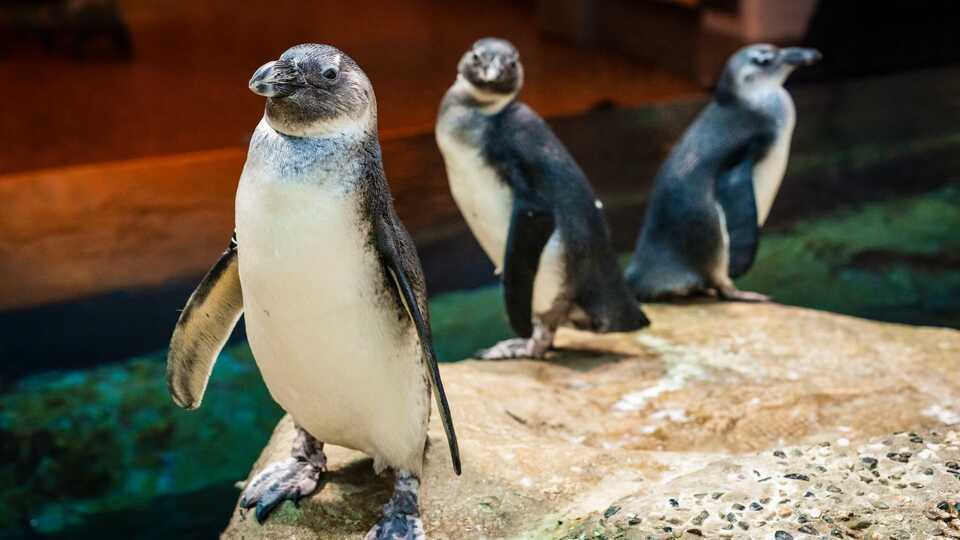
x=799, y=56
x=274, y=80
x=492, y=72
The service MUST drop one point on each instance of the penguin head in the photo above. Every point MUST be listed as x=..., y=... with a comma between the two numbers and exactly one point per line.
x=492, y=67
x=315, y=90
x=759, y=67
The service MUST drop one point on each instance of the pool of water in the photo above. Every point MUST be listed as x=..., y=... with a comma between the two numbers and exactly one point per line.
x=86, y=452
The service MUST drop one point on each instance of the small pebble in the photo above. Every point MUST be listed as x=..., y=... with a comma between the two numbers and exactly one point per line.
x=756, y=507
x=807, y=529
x=797, y=476
x=698, y=519
x=782, y=535
x=902, y=457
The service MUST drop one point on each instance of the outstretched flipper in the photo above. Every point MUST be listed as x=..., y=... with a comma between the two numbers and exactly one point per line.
x=735, y=193
x=401, y=262
x=203, y=328
x=530, y=229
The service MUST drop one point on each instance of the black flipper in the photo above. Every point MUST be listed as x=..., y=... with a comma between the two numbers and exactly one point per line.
x=736, y=196
x=401, y=262
x=530, y=229
x=203, y=328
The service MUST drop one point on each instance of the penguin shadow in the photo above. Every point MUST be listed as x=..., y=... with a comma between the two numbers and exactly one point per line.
x=583, y=359
x=698, y=299
x=353, y=482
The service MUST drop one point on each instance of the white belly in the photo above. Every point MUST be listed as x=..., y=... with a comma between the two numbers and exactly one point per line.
x=347, y=371
x=487, y=205
x=768, y=173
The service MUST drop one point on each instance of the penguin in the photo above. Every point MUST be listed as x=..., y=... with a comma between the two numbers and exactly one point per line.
x=330, y=287
x=714, y=192
x=530, y=207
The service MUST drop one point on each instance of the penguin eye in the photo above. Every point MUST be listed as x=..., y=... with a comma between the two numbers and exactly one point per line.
x=330, y=74
x=763, y=59
x=474, y=56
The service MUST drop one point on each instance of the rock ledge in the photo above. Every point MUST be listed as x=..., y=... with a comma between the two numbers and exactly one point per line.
x=721, y=421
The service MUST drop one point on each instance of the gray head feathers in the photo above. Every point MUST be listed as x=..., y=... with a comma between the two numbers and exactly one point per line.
x=313, y=89
x=492, y=65
x=760, y=66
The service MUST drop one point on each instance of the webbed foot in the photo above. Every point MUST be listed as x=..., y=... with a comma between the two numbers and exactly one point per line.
x=290, y=479
x=534, y=347
x=509, y=348
x=401, y=515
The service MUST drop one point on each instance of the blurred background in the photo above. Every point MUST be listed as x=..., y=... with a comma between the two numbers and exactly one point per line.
x=124, y=128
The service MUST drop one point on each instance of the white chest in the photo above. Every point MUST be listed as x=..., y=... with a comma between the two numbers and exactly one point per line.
x=768, y=173
x=487, y=206
x=485, y=202
x=331, y=349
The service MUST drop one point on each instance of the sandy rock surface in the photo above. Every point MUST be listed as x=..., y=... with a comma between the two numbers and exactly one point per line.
x=722, y=420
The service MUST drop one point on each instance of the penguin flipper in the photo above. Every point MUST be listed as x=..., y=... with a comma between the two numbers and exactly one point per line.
x=400, y=259
x=530, y=229
x=736, y=196
x=203, y=328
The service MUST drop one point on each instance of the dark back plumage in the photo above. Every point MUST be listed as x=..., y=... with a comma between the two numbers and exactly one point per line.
x=529, y=156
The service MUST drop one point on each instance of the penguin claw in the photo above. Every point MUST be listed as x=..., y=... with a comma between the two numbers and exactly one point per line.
x=511, y=348
x=289, y=479
x=736, y=295
x=401, y=515
x=397, y=527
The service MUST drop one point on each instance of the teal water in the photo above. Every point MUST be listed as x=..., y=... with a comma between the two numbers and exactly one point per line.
x=82, y=452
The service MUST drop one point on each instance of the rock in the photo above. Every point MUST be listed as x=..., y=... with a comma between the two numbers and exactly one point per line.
x=689, y=411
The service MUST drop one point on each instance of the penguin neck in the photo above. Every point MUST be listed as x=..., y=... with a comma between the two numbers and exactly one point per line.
x=343, y=126
x=767, y=99
x=488, y=103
